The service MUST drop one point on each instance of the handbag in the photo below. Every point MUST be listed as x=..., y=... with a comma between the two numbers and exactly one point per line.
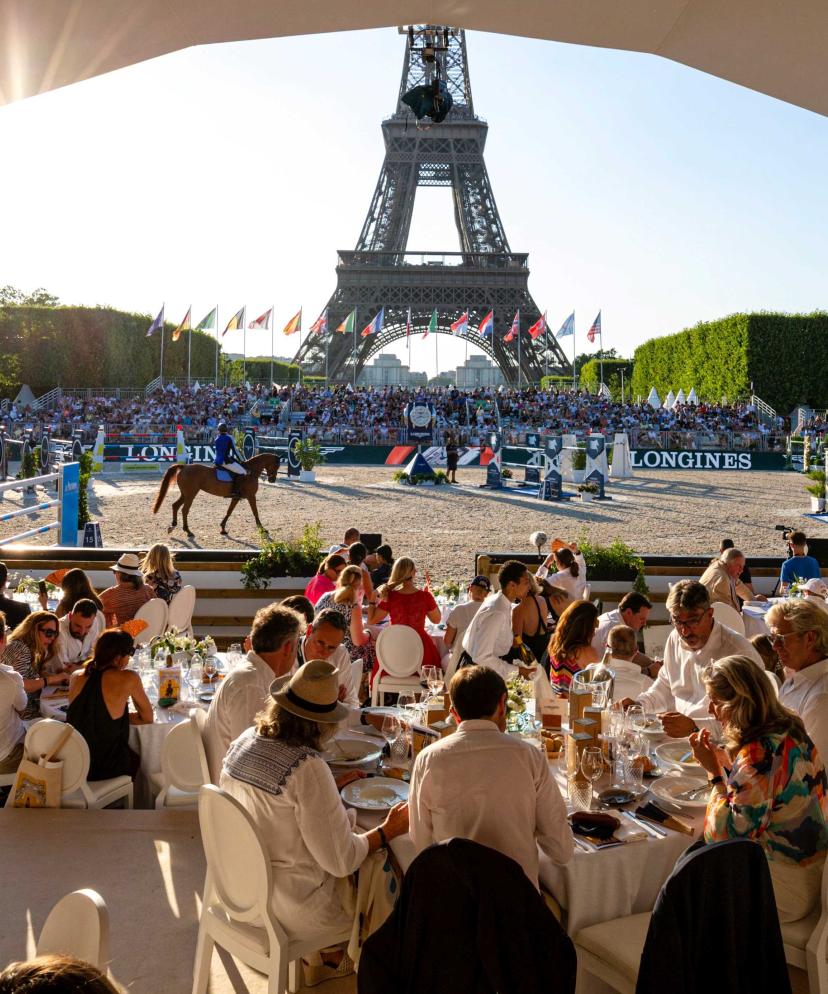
x=38, y=785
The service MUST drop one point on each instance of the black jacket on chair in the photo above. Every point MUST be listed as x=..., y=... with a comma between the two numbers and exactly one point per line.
x=468, y=921
x=715, y=926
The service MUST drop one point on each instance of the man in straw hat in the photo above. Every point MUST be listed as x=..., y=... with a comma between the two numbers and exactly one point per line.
x=121, y=602
x=275, y=772
x=274, y=638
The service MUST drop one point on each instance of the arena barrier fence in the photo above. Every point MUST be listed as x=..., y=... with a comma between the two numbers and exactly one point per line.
x=13, y=451
x=67, y=478
x=112, y=454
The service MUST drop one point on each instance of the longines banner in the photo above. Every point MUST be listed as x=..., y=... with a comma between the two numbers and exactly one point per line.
x=668, y=459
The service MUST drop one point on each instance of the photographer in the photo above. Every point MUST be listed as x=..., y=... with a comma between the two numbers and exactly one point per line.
x=799, y=565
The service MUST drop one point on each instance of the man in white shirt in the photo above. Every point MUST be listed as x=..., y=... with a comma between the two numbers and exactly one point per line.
x=274, y=638
x=484, y=785
x=678, y=692
x=799, y=633
x=633, y=610
x=460, y=619
x=323, y=640
x=77, y=632
x=489, y=637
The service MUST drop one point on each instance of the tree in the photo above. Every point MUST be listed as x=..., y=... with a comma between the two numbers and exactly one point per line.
x=585, y=357
x=10, y=296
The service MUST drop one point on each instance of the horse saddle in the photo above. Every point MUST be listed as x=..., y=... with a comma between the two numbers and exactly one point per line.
x=223, y=475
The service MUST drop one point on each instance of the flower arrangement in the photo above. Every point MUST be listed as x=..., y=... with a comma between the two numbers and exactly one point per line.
x=587, y=488
x=174, y=641
x=206, y=646
x=31, y=585
x=449, y=589
x=518, y=692
x=506, y=473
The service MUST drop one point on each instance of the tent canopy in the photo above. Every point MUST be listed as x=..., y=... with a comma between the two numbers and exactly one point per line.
x=669, y=400
x=772, y=47
x=653, y=398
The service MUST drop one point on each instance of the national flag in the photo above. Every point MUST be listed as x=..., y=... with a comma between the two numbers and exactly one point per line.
x=184, y=326
x=208, y=322
x=375, y=325
x=539, y=327
x=595, y=330
x=320, y=325
x=262, y=321
x=486, y=327
x=157, y=323
x=460, y=327
x=235, y=322
x=568, y=327
x=408, y=325
x=514, y=331
x=432, y=325
x=295, y=323
x=347, y=326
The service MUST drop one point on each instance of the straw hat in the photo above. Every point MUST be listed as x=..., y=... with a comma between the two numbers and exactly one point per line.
x=129, y=563
x=313, y=693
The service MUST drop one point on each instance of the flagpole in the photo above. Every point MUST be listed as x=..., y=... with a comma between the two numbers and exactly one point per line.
x=299, y=353
x=436, y=354
x=189, y=347
x=244, y=345
x=161, y=374
x=355, y=364
x=327, y=350
x=573, y=350
x=546, y=349
x=601, y=351
x=218, y=346
x=272, y=329
x=519, y=370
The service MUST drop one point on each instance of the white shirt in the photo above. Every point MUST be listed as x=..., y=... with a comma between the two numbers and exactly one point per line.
x=308, y=837
x=575, y=586
x=679, y=685
x=493, y=788
x=340, y=659
x=806, y=693
x=459, y=619
x=12, y=696
x=606, y=623
x=74, y=650
x=241, y=695
x=490, y=636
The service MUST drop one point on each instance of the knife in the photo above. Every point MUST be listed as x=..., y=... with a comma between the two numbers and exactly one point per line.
x=650, y=829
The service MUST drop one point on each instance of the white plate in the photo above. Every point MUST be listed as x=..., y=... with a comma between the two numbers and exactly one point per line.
x=672, y=752
x=352, y=751
x=655, y=730
x=666, y=789
x=394, y=712
x=375, y=793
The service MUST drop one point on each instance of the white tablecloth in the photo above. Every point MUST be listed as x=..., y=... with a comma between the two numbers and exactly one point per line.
x=754, y=619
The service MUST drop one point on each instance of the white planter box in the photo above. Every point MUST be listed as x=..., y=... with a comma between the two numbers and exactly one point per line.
x=587, y=498
x=307, y=476
x=817, y=505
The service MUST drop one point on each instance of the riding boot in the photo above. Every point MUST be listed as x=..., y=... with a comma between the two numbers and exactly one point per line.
x=236, y=490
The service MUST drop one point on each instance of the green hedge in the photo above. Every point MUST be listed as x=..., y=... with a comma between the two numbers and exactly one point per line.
x=784, y=356
x=258, y=371
x=558, y=382
x=93, y=347
x=590, y=377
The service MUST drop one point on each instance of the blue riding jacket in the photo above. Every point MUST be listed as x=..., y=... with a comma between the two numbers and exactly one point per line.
x=225, y=450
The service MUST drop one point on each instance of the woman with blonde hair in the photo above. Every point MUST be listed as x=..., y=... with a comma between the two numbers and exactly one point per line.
x=347, y=598
x=75, y=586
x=570, y=648
x=158, y=567
x=768, y=783
x=29, y=650
x=404, y=602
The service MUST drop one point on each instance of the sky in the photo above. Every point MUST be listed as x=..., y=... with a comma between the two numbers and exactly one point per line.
x=231, y=174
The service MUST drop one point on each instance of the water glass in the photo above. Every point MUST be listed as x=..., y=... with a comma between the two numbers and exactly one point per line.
x=579, y=793
x=634, y=771
x=390, y=728
x=234, y=656
x=636, y=719
x=195, y=675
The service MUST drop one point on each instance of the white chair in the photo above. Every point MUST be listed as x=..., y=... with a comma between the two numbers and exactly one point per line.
x=655, y=638
x=183, y=766
x=154, y=612
x=78, y=925
x=76, y=790
x=236, y=893
x=729, y=617
x=806, y=942
x=182, y=605
x=400, y=655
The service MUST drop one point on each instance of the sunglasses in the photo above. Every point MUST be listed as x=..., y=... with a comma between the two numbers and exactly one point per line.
x=50, y=633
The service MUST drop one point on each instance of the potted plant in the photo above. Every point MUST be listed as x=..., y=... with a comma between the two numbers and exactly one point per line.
x=616, y=563
x=816, y=488
x=506, y=473
x=578, y=465
x=309, y=454
x=588, y=491
x=293, y=557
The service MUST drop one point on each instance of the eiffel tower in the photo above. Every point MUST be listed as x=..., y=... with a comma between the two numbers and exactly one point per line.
x=380, y=272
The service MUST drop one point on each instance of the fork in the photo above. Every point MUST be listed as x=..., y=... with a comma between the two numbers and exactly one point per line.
x=690, y=795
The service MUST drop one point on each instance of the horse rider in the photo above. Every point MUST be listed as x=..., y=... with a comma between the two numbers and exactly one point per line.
x=227, y=457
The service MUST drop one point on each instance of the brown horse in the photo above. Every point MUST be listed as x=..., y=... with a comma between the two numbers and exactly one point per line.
x=197, y=477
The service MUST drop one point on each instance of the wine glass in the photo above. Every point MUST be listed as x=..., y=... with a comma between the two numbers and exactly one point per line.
x=636, y=719
x=210, y=668
x=434, y=679
x=427, y=677
x=390, y=728
x=592, y=764
x=195, y=675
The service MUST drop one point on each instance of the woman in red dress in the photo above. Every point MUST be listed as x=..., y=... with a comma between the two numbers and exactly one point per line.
x=408, y=605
